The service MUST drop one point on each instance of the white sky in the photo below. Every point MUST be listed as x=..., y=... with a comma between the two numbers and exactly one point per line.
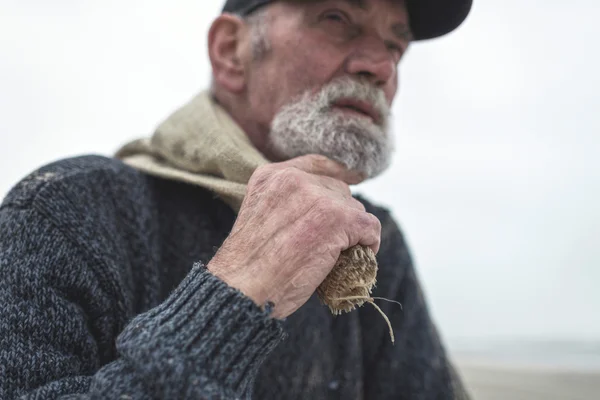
x=496, y=180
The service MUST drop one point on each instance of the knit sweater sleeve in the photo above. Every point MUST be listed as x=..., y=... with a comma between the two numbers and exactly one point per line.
x=417, y=365
x=205, y=341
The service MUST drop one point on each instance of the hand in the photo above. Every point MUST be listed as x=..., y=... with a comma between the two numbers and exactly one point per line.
x=296, y=219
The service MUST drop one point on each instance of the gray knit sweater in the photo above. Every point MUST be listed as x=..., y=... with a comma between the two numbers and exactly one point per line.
x=104, y=295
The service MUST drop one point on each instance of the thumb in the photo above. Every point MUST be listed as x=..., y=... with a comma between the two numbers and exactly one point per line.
x=321, y=165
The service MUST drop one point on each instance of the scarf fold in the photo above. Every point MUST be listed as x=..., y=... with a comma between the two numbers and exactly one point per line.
x=198, y=144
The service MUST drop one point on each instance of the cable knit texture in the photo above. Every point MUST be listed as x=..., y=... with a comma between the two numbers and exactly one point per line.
x=104, y=295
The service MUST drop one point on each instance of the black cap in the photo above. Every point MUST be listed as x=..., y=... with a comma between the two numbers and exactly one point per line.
x=428, y=18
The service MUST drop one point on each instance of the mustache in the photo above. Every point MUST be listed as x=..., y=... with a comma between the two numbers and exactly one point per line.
x=359, y=90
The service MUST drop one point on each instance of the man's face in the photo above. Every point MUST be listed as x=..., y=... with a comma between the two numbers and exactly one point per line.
x=328, y=78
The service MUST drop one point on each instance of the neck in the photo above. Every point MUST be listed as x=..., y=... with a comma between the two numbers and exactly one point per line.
x=241, y=112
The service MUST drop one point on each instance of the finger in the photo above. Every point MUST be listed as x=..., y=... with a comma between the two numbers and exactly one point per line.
x=365, y=229
x=321, y=165
x=335, y=185
x=357, y=205
x=348, y=203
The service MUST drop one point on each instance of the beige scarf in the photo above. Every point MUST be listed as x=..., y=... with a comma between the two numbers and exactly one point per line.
x=200, y=144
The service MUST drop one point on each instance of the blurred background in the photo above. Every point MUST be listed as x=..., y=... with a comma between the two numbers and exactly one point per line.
x=495, y=181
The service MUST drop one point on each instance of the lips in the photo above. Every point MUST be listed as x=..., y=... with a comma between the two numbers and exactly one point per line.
x=359, y=107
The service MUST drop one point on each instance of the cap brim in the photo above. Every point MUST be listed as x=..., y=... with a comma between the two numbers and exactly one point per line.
x=433, y=18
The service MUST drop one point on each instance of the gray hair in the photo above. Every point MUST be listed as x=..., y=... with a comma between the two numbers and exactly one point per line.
x=258, y=30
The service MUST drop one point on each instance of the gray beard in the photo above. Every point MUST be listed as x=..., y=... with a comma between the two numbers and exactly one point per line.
x=309, y=125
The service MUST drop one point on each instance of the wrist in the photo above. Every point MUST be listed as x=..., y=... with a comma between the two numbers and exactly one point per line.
x=237, y=278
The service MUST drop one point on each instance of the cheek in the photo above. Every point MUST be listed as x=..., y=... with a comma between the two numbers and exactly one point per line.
x=308, y=65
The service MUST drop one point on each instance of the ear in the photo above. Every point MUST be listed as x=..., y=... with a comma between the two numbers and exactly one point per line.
x=226, y=41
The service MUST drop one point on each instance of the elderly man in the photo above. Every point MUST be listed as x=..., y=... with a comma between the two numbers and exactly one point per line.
x=186, y=266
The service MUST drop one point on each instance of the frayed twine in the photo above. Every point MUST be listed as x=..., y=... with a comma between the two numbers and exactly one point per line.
x=371, y=300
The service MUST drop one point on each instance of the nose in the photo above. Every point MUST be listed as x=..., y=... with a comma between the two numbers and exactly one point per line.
x=373, y=62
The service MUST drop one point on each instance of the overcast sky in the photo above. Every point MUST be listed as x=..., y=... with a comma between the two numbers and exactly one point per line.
x=496, y=178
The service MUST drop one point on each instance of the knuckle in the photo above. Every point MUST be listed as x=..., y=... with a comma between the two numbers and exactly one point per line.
x=324, y=206
x=324, y=213
x=357, y=204
x=288, y=179
x=278, y=179
x=363, y=220
x=336, y=185
x=369, y=221
x=290, y=171
x=343, y=187
x=261, y=175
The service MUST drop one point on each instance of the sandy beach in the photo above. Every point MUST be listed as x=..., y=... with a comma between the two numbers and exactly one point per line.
x=501, y=382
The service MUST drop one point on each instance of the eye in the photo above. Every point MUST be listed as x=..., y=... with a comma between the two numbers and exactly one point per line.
x=395, y=50
x=335, y=16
